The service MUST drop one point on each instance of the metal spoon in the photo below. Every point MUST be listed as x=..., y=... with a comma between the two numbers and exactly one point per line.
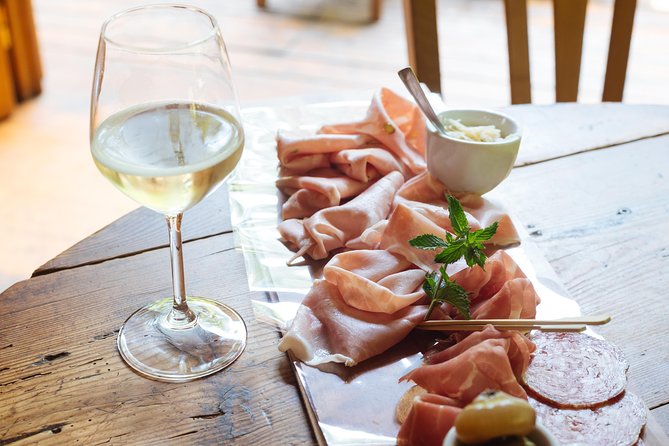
x=411, y=82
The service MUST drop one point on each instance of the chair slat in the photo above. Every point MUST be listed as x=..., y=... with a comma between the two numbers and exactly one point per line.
x=519, y=55
x=619, y=49
x=422, y=41
x=569, y=19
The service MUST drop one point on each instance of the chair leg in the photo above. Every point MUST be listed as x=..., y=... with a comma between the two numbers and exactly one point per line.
x=375, y=12
x=619, y=50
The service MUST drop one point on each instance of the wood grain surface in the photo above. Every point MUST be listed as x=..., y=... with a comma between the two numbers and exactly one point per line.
x=594, y=200
x=62, y=380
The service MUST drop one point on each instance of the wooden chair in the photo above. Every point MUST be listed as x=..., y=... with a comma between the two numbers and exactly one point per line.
x=374, y=5
x=569, y=21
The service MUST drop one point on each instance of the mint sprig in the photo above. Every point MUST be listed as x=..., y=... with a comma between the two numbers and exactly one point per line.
x=463, y=243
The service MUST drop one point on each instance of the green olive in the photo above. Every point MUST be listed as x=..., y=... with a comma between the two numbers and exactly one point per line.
x=494, y=414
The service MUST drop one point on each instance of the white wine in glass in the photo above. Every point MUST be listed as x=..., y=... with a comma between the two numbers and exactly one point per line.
x=165, y=130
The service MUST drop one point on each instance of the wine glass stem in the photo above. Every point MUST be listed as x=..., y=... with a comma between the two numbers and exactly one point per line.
x=181, y=315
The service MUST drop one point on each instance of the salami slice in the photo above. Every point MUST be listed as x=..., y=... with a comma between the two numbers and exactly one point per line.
x=618, y=423
x=575, y=370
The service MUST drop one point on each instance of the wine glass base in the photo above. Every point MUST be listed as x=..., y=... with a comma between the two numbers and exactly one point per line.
x=158, y=350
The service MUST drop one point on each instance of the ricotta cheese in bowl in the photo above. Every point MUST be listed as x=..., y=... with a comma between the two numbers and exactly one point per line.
x=477, y=152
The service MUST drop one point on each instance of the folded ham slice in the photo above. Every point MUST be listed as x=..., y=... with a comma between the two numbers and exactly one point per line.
x=302, y=153
x=377, y=281
x=327, y=329
x=430, y=419
x=403, y=225
x=316, y=190
x=519, y=351
x=366, y=164
x=331, y=228
x=483, y=366
x=395, y=122
x=516, y=299
x=481, y=283
x=427, y=196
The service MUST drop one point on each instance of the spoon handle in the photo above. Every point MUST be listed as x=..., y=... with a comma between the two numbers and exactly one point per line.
x=411, y=82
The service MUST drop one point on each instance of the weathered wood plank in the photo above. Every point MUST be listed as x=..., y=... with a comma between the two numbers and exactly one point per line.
x=143, y=230
x=661, y=415
x=553, y=131
x=62, y=380
x=600, y=220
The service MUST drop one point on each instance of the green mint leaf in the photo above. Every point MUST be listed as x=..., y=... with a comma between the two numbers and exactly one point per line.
x=457, y=216
x=450, y=292
x=485, y=233
x=452, y=252
x=474, y=256
x=457, y=296
x=430, y=283
x=427, y=241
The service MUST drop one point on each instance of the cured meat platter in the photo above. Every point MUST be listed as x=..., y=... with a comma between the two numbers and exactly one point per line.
x=346, y=405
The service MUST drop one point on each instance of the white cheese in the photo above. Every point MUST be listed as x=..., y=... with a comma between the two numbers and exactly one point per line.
x=481, y=133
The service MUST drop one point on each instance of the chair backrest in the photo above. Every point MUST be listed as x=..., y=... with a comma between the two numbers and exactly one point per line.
x=569, y=22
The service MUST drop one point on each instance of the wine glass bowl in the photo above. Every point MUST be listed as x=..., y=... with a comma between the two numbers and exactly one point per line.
x=166, y=131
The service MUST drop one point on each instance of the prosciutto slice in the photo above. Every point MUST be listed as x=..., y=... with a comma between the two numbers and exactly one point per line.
x=403, y=225
x=331, y=228
x=377, y=281
x=516, y=299
x=326, y=329
x=316, y=190
x=427, y=196
x=519, y=351
x=482, y=284
x=430, y=419
x=483, y=366
x=396, y=123
x=302, y=153
x=366, y=164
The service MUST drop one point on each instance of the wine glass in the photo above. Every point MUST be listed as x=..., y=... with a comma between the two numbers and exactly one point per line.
x=166, y=131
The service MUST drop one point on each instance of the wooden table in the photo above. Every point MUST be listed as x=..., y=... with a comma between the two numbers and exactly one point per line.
x=591, y=186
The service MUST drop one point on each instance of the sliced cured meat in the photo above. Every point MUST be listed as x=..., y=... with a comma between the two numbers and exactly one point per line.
x=332, y=228
x=482, y=284
x=395, y=122
x=484, y=366
x=304, y=203
x=516, y=299
x=616, y=424
x=519, y=351
x=428, y=422
x=316, y=190
x=326, y=329
x=302, y=153
x=405, y=224
x=377, y=281
x=366, y=164
x=426, y=195
x=575, y=370
x=370, y=238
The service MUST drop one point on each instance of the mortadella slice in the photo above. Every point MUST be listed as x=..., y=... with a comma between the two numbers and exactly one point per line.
x=595, y=369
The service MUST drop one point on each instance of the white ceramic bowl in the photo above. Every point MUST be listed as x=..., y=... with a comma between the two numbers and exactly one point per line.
x=469, y=166
x=540, y=436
